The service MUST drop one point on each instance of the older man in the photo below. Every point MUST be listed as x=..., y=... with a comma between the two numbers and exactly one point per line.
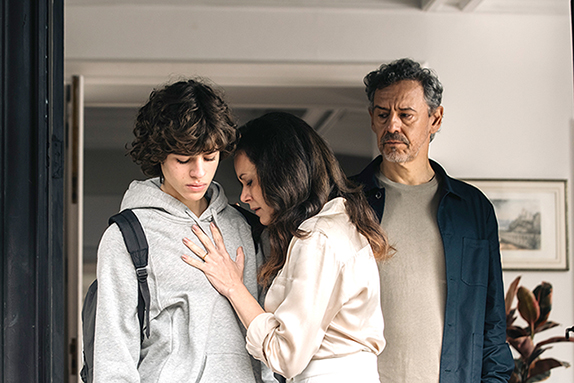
x=442, y=292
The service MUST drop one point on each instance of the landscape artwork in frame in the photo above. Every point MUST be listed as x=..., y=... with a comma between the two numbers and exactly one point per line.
x=532, y=222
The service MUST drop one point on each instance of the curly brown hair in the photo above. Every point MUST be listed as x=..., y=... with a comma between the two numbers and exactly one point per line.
x=186, y=118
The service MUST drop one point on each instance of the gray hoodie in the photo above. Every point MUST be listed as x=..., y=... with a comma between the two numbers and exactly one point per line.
x=195, y=334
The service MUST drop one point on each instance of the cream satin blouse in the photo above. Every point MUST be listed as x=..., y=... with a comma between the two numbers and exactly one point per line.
x=324, y=302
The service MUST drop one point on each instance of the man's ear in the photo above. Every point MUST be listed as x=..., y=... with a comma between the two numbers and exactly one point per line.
x=436, y=119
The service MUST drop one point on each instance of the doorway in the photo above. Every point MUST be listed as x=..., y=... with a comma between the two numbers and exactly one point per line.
x=338, y=113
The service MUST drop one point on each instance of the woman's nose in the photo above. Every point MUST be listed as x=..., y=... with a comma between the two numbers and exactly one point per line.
x=244, y=197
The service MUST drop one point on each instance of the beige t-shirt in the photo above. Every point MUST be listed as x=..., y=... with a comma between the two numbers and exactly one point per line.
x=325, y=301
x=413, y=284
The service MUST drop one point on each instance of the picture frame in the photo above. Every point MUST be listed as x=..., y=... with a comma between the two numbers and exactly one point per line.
x=532, y=222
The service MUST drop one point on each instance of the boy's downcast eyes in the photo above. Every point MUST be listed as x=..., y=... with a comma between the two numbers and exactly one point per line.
x=208, y=157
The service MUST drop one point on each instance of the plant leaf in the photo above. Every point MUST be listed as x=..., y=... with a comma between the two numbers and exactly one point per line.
x=510, y=317
x=538, y=378
x=523, y=345
x=516, y=332
x=548, y=325
x=528, y=307
x=541, y=366
x=543, y=294
x=520, y=371
x=510, y=294
x=515, y=378
x=536, y=354
x=555, y=339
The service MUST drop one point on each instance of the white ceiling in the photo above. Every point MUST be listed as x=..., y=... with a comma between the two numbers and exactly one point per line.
x=333, y=110
x=489, y=6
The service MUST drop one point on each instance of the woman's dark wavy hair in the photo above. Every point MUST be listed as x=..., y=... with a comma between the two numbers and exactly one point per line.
x=187, y=118
x=298, y=174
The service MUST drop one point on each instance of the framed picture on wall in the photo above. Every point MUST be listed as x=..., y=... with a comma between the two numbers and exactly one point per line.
x=532, y=222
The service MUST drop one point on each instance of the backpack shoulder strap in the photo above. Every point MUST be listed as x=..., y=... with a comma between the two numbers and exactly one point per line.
x=88, y=331
x=137, y=246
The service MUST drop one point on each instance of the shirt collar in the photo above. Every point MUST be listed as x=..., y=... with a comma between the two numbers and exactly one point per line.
x=368, y=177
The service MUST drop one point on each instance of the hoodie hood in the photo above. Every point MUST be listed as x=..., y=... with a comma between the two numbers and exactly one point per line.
x=148, y=195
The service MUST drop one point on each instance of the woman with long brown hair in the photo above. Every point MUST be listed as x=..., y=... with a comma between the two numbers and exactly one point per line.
x=322, y=319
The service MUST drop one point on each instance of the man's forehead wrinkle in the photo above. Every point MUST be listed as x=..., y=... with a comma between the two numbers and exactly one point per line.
x=401, y=108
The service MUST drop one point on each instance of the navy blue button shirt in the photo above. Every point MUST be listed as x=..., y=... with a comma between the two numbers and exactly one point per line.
x=474, y=347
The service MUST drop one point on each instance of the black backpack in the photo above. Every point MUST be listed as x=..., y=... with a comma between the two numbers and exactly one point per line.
x=136, y=244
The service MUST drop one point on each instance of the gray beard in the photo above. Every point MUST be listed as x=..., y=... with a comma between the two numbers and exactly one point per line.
x=396, y=157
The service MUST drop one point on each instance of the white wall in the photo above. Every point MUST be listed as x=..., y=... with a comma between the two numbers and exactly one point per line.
x=508, y=80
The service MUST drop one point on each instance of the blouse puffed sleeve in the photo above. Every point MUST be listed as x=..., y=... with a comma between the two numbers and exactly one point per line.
x=303, y=299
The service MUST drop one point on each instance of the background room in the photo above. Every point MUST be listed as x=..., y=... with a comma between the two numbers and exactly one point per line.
x=506, y=67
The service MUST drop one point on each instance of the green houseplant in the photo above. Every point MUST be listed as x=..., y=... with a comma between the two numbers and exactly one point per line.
x=534, y=307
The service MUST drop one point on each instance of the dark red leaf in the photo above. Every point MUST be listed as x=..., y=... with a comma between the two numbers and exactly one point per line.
x=543, y=294
x=546, y=326
x=516, y=332
x=515, y=378
x=541, y=366
x=523, y=345
x=556, y=339
x=528, y=306
x=510, y=294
